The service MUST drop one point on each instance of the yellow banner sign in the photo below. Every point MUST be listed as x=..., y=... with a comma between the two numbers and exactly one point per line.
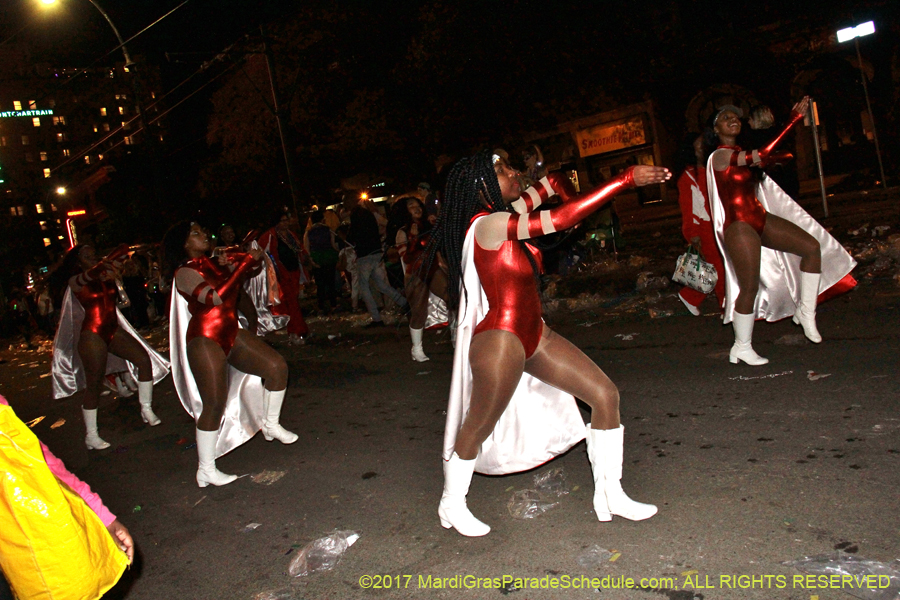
x=611, y=136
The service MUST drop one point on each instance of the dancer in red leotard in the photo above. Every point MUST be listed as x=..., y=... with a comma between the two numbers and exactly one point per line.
x=750, y=233
x=505, y=345
x=93, y=339
x=210, y=341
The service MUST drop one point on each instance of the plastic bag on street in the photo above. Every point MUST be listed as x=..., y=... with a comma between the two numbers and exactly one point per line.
x=594, y=557
x=527, y=504
x=551, y=482
x=323, y=554
x=872, y=580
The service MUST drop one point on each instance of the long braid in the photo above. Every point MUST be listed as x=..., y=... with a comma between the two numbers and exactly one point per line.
x=472, y=183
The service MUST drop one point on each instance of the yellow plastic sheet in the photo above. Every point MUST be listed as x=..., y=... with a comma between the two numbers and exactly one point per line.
x=53, y=546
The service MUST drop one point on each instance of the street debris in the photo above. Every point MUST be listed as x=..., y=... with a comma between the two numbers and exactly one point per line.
x=279, y=594
x=792, y=339
x=552, y=481
x=626, y=337
x=594, y=557
x=769, y=376
x=657, y=313
x=34, y=422
x=59, y=423
x=872, y=580
x=267, y=477
x=813, y=376
x=528, y=504
x=322, y=554
x=646, y=281
x=251, y=527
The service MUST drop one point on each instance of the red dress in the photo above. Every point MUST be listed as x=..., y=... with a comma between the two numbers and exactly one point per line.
x=217, y=322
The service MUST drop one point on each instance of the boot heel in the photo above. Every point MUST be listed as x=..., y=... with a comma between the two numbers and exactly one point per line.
x=445, y=524
x=604, y=517
x=733, y=360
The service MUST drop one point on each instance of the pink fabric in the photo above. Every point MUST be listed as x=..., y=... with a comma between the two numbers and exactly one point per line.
x=79, y=487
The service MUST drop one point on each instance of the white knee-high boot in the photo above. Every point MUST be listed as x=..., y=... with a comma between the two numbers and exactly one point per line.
x=605, y=450
x=207, y=473
x=452, y=509
x=92, y=440
x=145, y=397
x=418, y=353
x=743, y=338
x=806, y=310
x=271, y=429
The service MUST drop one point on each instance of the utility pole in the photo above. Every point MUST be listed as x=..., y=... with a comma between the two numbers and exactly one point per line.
x=279, y=117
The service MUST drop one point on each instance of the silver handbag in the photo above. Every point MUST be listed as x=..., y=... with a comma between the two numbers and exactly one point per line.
x=694, y=272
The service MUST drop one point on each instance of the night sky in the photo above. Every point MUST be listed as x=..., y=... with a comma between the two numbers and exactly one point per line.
x=443, y=77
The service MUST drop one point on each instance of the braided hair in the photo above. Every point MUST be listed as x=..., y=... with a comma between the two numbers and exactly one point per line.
x=471, y=188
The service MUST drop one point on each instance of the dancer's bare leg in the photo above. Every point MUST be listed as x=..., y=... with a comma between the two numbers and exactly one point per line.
x=252, y=355
x=210, y=371
x=743, y=246
x=780, y=234
x=560, y=363
x=93, y=351
x=497, y=359
x=130, y=349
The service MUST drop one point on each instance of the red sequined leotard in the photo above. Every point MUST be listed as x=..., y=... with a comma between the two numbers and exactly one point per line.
x=737, y=186
x=212, y=301
x=506, y=274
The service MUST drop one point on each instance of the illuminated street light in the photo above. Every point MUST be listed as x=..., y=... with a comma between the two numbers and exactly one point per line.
x=60, y=191
x=854, y=33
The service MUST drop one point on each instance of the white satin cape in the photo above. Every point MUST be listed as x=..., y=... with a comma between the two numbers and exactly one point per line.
x=779, y=272
x=66, y=366
x=541, y=421
x=257, y=288
x=244, y=411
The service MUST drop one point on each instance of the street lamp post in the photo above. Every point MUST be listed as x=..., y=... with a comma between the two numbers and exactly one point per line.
x=854, y=33
x=128, y=61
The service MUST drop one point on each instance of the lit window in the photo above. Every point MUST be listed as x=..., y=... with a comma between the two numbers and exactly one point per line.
x=106, y=127
x=121, y=110
x=17, y=105
x=59, y=120
x=3, y=141
x=126, y=125
x=43, y=225
x=36, y=121
x=54, y=209
x=121, y=97
x=128, y=140
x=153, y=95
x=44, y=157
x=12, y=210
x=46, y=241
x=66, y=152
x=102, y=112
x=46, y=173
x=160, y=137
x=87, y=159
x=25, y=140
x=39, y=208
x=99, y=157
x=60, y=237
x=96, y=129
x=60, y=137
x=29, y=157
x=32, y=105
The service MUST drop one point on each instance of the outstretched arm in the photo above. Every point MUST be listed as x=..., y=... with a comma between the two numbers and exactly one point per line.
x=497, y=228
x=766, y=155
x=191, y=283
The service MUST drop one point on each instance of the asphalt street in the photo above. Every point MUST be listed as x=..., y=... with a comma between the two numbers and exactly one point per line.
x=750, y=466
